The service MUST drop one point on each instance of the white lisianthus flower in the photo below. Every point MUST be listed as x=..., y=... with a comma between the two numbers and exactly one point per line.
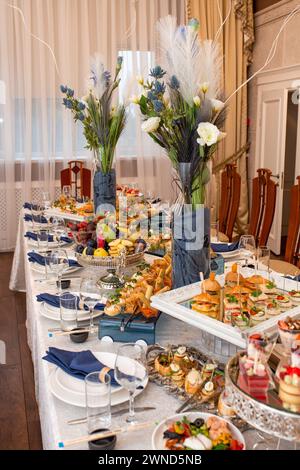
x=135, y=99
x=204, y=87
x=217, y=105
x=151, y=125
x=140, y=79
x=197, y=101
x=208, y=133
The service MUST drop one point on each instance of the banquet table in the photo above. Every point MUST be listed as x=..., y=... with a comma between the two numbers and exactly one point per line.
x=54, y=414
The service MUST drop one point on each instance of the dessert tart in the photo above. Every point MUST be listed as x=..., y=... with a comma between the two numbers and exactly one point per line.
x=180, y=354
x=289, y=388
x=193, y=381
x=208, y=390
x=162, y=365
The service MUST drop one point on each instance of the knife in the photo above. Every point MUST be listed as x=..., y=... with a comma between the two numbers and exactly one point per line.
x=114, y=413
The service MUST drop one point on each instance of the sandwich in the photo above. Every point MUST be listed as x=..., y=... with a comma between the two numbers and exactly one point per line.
x=211, y=286
x=233, y=277
x=206, y=304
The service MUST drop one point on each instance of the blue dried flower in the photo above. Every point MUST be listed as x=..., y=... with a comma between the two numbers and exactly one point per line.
x=119, y=61
x=81, y=116
x=107, y=77
x=174, y=82
x=63, y=88
x=157, y=72
x=159, y=87
x=70, y=92
x=151, y=96
x=81, y=106
x=68, y=103
x=158, y=106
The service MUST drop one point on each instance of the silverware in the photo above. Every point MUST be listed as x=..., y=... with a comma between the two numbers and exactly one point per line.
x=186, y=403
x=121, y=412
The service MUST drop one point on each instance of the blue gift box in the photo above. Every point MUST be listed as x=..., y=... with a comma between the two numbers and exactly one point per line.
x=122, y=330
x=217, y=264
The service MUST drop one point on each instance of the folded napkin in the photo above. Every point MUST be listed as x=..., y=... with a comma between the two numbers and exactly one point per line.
x=224, y=247
x=295, y=278
x=77, y=364
x=34, y=257
x=53, y=300
x=33, y=236
x=28, y=205
x=36, y=218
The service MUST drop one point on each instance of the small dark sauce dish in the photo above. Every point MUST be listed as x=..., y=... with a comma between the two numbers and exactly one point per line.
x=108, y=443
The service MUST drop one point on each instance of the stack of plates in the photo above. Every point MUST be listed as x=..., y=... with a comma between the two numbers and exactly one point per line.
x=71, y=390
x=53, y=313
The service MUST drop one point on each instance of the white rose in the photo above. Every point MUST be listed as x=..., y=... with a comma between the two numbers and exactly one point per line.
x=217, y=105
x=208, y=133
x=151, y=125
x=197, y=101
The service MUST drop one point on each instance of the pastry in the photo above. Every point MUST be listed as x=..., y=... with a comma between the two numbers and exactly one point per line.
x=162, y=364
x=208, y=370
x=177, y=374
x=192, y=381
x=289, y=388
x=180, y=354
x=208, y=390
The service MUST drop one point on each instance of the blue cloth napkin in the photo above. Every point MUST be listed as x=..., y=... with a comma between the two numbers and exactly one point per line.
x=223, y=247
x=295, y=278
x=77, y=364
x=33, y=236
x=53, y=300
x=34, y=257
x=36, y=218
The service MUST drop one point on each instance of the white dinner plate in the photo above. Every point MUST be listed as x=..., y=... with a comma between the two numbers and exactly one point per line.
x=38, y=268
x=71, y=390
x=53, y=313
x=230, y=254
x=51, y=245
x=158, y=442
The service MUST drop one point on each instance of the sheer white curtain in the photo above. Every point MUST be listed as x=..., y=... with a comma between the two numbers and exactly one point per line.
x=37, y=135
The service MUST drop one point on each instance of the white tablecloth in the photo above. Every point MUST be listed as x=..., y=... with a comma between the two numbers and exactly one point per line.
x=54, y=414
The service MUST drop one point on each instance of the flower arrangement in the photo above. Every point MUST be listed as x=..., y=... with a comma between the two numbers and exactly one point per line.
x=102, y=123
x=180, y=105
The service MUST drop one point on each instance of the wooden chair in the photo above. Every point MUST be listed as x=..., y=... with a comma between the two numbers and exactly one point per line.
x=230, y=199
x=263, y=206
x=78, y=177
x=291, y=264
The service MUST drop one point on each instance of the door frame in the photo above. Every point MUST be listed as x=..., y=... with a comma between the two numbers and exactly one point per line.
x=283, y=79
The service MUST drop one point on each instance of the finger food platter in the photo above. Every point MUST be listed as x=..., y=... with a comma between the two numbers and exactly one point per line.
x=180, y=304
x=186, y=373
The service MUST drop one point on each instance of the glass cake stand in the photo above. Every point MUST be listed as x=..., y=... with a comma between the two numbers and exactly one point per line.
x=267, y=418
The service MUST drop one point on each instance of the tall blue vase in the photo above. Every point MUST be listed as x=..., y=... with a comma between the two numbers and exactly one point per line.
x=104, y=191
x=191, y=240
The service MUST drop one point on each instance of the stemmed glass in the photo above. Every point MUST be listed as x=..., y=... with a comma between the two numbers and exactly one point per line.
x=263, y=259
x=247, y=247
x=46, y=202
x=58, y=227
x=89, y=295
x=66, y=191
x=36, y=212
x=58, y=263
x=131, y=372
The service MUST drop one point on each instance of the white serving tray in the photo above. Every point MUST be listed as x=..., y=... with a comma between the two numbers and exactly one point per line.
x=169, y=303
x=56, y=212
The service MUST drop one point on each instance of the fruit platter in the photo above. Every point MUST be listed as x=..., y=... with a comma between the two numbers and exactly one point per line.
x=197, y=431
x=186, y=373
x=233, y=305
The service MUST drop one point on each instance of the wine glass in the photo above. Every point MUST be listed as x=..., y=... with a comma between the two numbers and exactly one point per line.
x=66, y=190
x=89, y=295
x=36, y=211
x=247, y=247
x=131, y=372
x=58, y=228
x=58, y=263
x=46, y=200
x=263, y=259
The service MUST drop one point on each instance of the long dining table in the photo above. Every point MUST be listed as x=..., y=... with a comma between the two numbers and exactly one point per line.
x=54, y=413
